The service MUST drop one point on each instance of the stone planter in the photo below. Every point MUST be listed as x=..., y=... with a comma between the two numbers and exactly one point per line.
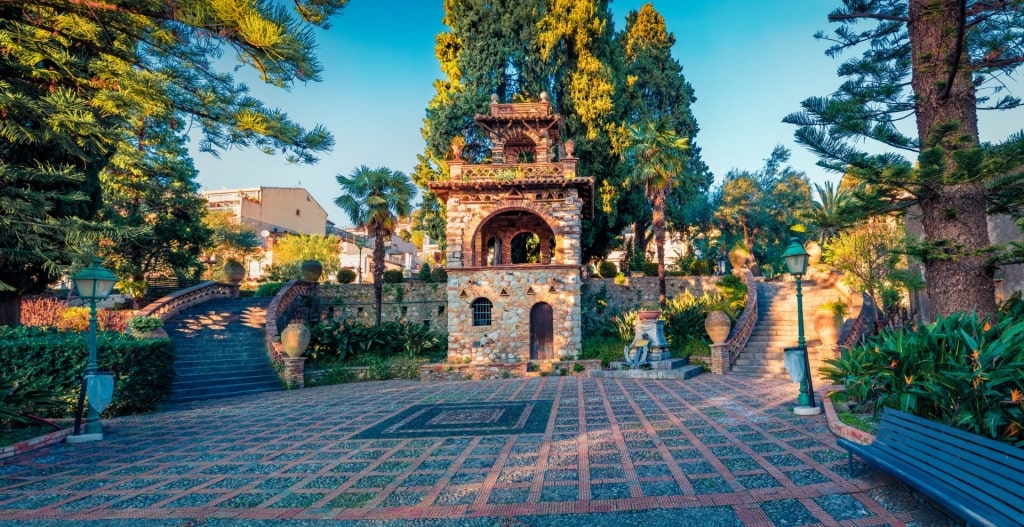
x=311, y=270
x=294, y=339
x=648, y=314
x=234, y=271
x=827, y=326
x=718, y=325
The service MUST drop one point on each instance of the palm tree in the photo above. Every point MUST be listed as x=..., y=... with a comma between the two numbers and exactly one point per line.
x=831, y=210
x=656, y=156
x=374, y=199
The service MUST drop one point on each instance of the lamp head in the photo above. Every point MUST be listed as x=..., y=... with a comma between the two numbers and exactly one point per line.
x=796, y=257
x=94, y=282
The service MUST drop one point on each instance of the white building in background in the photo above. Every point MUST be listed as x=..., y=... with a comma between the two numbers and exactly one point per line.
x=357, y=254
x=270, y=212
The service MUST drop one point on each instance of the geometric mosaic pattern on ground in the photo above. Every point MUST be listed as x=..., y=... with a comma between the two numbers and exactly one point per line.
x=463, y=419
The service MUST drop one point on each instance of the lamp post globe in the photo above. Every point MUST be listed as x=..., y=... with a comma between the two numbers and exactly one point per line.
x=796, y=263
x=93, y=284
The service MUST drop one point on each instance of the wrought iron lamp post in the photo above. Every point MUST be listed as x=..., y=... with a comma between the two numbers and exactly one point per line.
x=94, y=283
x=796, y=262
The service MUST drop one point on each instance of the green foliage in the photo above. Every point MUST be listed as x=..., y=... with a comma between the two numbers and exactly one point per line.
x=20, y=398
x=606, y=348
x=684, y=319
x=625, y=325
x=393, y=276
x=607, y=269
x=960, y=370
x=439, y=275
x=346, y=340
x=142, y=324
x=650, y=268
x=269, y=288
x=143, y=369
x=346, y=276
x=294, y=249
x=424, y=274
x=283, y=272
x=732, y=298
x=869, y=256
x=837, y=307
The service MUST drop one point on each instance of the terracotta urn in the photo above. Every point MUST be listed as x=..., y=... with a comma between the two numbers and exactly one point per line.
x=649, y=314
x=234, y=271
x=738, y=257
x=718, y=325
x=827, y=326
x=311, y=270
x=813, y=253
x=295, y=338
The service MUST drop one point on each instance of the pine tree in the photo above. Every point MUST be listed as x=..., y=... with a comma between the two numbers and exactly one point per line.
x=938, y=61
x=76, y=77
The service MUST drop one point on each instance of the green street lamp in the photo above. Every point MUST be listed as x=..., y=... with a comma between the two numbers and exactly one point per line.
x=93, y=284
x=796, y=262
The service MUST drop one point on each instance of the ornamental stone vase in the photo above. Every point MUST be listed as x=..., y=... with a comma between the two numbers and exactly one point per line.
x=234, y=271
x=295, y=338
x=718, y=325
x=813, y=253
x=649, y=314
x=827, y=326
x=311, y=270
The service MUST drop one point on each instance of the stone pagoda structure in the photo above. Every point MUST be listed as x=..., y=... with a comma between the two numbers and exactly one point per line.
x=514, y=255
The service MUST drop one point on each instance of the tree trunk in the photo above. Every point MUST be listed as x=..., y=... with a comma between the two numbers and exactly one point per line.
x=640, y=241
x=658, y=219
x=953, y=213
x=378, y=271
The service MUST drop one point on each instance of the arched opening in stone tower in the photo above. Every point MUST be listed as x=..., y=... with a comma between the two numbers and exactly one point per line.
x=541, y=332
x=514, y=237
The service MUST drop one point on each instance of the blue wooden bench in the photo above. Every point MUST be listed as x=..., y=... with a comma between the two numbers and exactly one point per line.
x=973, y=477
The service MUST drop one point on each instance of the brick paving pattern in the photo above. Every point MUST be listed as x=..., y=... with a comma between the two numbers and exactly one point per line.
x=706, y=451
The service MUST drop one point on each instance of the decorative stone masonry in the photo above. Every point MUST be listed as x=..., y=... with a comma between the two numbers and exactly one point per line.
x=415, y=302
x=293, y=372
x=513, y=294
x=460, y=372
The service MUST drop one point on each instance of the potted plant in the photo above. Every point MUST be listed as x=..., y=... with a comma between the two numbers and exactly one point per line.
x=649, y=311
x=147, y=327
x=828, y=321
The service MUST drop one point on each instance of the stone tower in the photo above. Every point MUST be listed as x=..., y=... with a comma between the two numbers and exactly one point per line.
x=513, y=234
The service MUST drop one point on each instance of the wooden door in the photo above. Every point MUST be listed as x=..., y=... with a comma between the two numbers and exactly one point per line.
x=541, y=332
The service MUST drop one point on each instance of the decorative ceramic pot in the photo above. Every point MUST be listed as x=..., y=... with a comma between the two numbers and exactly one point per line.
x=311, y=270
x=294, y=339
x=649, y=314
x=718, y=325
x=813, y=253
x=827, y=326
x=234, y=271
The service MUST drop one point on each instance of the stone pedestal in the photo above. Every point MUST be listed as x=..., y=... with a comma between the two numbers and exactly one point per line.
x=294, y=371
x=719, y=358
x=653, y=331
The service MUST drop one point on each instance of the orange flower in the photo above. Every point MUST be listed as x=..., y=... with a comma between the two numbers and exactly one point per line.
x=892, y=365
x=908, y=379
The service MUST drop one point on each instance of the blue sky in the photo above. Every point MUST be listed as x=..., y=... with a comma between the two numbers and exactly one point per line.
x=749, y=62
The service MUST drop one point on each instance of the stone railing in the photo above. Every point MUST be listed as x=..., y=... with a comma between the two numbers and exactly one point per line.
x=532, y=109
x=862, y=325
x=725, y=354
x=166, y=307
x=280, y=309
x=511, y=172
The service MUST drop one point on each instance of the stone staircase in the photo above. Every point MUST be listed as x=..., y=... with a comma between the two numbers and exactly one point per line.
x=221, y=351
x=776, y=328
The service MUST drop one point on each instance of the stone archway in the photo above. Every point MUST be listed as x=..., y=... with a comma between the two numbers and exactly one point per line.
x=498, y=231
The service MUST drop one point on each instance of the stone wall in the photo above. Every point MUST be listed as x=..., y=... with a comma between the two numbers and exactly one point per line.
x=640, y=290
x=421, y=302
x=461, y=372
x=513, y=293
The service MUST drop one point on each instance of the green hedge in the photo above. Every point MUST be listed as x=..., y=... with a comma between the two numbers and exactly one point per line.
x=143, y=369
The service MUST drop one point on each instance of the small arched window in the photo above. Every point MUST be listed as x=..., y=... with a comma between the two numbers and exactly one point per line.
x=482, y=312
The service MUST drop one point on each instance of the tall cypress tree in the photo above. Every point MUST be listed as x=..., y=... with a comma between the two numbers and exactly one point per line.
x=938, y=61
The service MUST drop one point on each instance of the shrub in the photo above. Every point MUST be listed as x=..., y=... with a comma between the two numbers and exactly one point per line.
x=439, y=275
x=684, y=318
x=650, y=269
x=346, y=276
x=19, y=398
x=620, y=279
x=143, y=369
x=144, y=324
x=393, y=276
x=346, y=340
x=607, y=269
x=959, y=370
x=607, y=349
x=42, y=311
x=425, y=272
x=269, y=289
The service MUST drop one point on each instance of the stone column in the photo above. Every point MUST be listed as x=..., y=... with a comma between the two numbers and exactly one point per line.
x=719, y=358
x=294, y=371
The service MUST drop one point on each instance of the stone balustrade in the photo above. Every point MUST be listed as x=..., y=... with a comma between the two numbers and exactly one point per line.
x=166, y=307
x=278, y=312
x=511, y=171
x=725, y=354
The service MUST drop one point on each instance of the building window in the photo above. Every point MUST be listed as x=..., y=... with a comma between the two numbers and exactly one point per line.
x=298, y=212
x=482, y=312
